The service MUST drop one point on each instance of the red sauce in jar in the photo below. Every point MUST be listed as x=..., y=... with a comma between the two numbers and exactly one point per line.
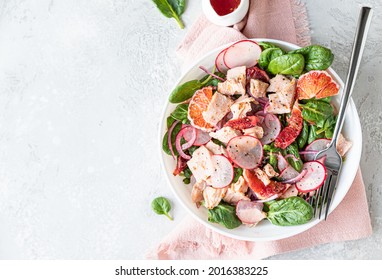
x=224, y=7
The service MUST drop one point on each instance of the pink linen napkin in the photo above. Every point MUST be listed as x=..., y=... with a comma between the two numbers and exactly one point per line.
x=276, y=19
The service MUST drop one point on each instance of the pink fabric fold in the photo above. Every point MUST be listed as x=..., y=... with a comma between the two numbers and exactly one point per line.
x=278, y=19
x=192, y=240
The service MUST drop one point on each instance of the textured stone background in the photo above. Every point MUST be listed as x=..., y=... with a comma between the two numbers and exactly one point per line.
x=82, y=84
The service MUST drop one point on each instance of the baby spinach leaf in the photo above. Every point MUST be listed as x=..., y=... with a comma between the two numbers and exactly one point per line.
x=287, y=64
x=161, y=206
x=292, y=149
x=225, y=215
x=172, y=9
x=266, y=45
x=165, y=146
x=213, y=81
x=180, y=113
x=328, y=127
x=316, y=57
x=290, y=212
x=273, y=161
x=184, y=91
x=303, y=137
x=316, y=112
x=268, y=55
x=237, y=173
x=170, y=121
x=313, y=134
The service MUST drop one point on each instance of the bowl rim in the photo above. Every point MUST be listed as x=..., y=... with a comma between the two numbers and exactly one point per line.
x=212, y=226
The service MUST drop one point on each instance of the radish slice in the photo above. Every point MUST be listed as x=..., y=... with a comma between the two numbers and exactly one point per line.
x=178, y=145
x=243, y=53
x=189, y=134
x=273, y=197
x=246, y=151
x=282, y=164
x=169, y=142
x=202, y=137
x=295, y=179
x=291, y=156
x=317, y=145
x=250, y=212
x=272, y=127
x=222, y=173
x=219, y=62
x=288, y=174
x=314, y=178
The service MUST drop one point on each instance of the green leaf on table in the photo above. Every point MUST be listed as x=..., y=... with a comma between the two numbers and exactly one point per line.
x=172, y=9
x=161, y=206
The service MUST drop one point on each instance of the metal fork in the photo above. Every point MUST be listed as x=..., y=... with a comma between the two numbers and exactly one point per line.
x=333, y=161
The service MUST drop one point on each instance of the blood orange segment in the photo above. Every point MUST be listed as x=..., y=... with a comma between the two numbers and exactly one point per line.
x=198, y=105
x=292, y=130
x=318, y=84
x=257, y=186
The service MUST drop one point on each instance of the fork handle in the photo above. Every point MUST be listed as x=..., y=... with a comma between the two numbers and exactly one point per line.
x=355, y=59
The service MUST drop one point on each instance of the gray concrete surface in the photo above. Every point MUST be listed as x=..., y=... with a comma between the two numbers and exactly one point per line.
x=82, y=85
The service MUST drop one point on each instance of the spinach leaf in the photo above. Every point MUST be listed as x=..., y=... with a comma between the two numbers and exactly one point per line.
x=287, y=64
x=316, y=57
x=225, y=215
x=213, y=81
x=172, y=9
x=316, y=112
x=326, y=99
x=161, y=206
x=268, y=55
x=184, y=91
x=170, y=121
x=266, y=45
x=273, y=161
x=292, y=149
x=290, y=212
x=313, y=134
x=217, y=142
x=237, y=173
x=303, y=137
x=328, y=127
x=165, y=146
x=180, y=113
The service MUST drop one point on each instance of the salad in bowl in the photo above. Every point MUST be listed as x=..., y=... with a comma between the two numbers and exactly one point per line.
x=243, y=138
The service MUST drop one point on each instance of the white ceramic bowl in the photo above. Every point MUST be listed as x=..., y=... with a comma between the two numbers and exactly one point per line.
x=229, y=19
x=264, y=230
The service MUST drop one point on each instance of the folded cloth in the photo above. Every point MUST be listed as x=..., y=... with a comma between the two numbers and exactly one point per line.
x=285, y=20
x=273, y=19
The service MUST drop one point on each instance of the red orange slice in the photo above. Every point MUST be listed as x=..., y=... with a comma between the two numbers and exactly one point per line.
x=318, y=84
x=198, y=105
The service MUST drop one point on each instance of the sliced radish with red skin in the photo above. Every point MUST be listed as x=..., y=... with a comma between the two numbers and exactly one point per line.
x=222, y=173
x=288, y=174
x=250, y=212
x=314, y=177
x=219, y=62
x=282, y=164
x=316, y=145
x=273, y=197
x=272, y=127
x=202, y=137
x=189, y=134
x=242, y=53
x=246, y=151
x=295, y=179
